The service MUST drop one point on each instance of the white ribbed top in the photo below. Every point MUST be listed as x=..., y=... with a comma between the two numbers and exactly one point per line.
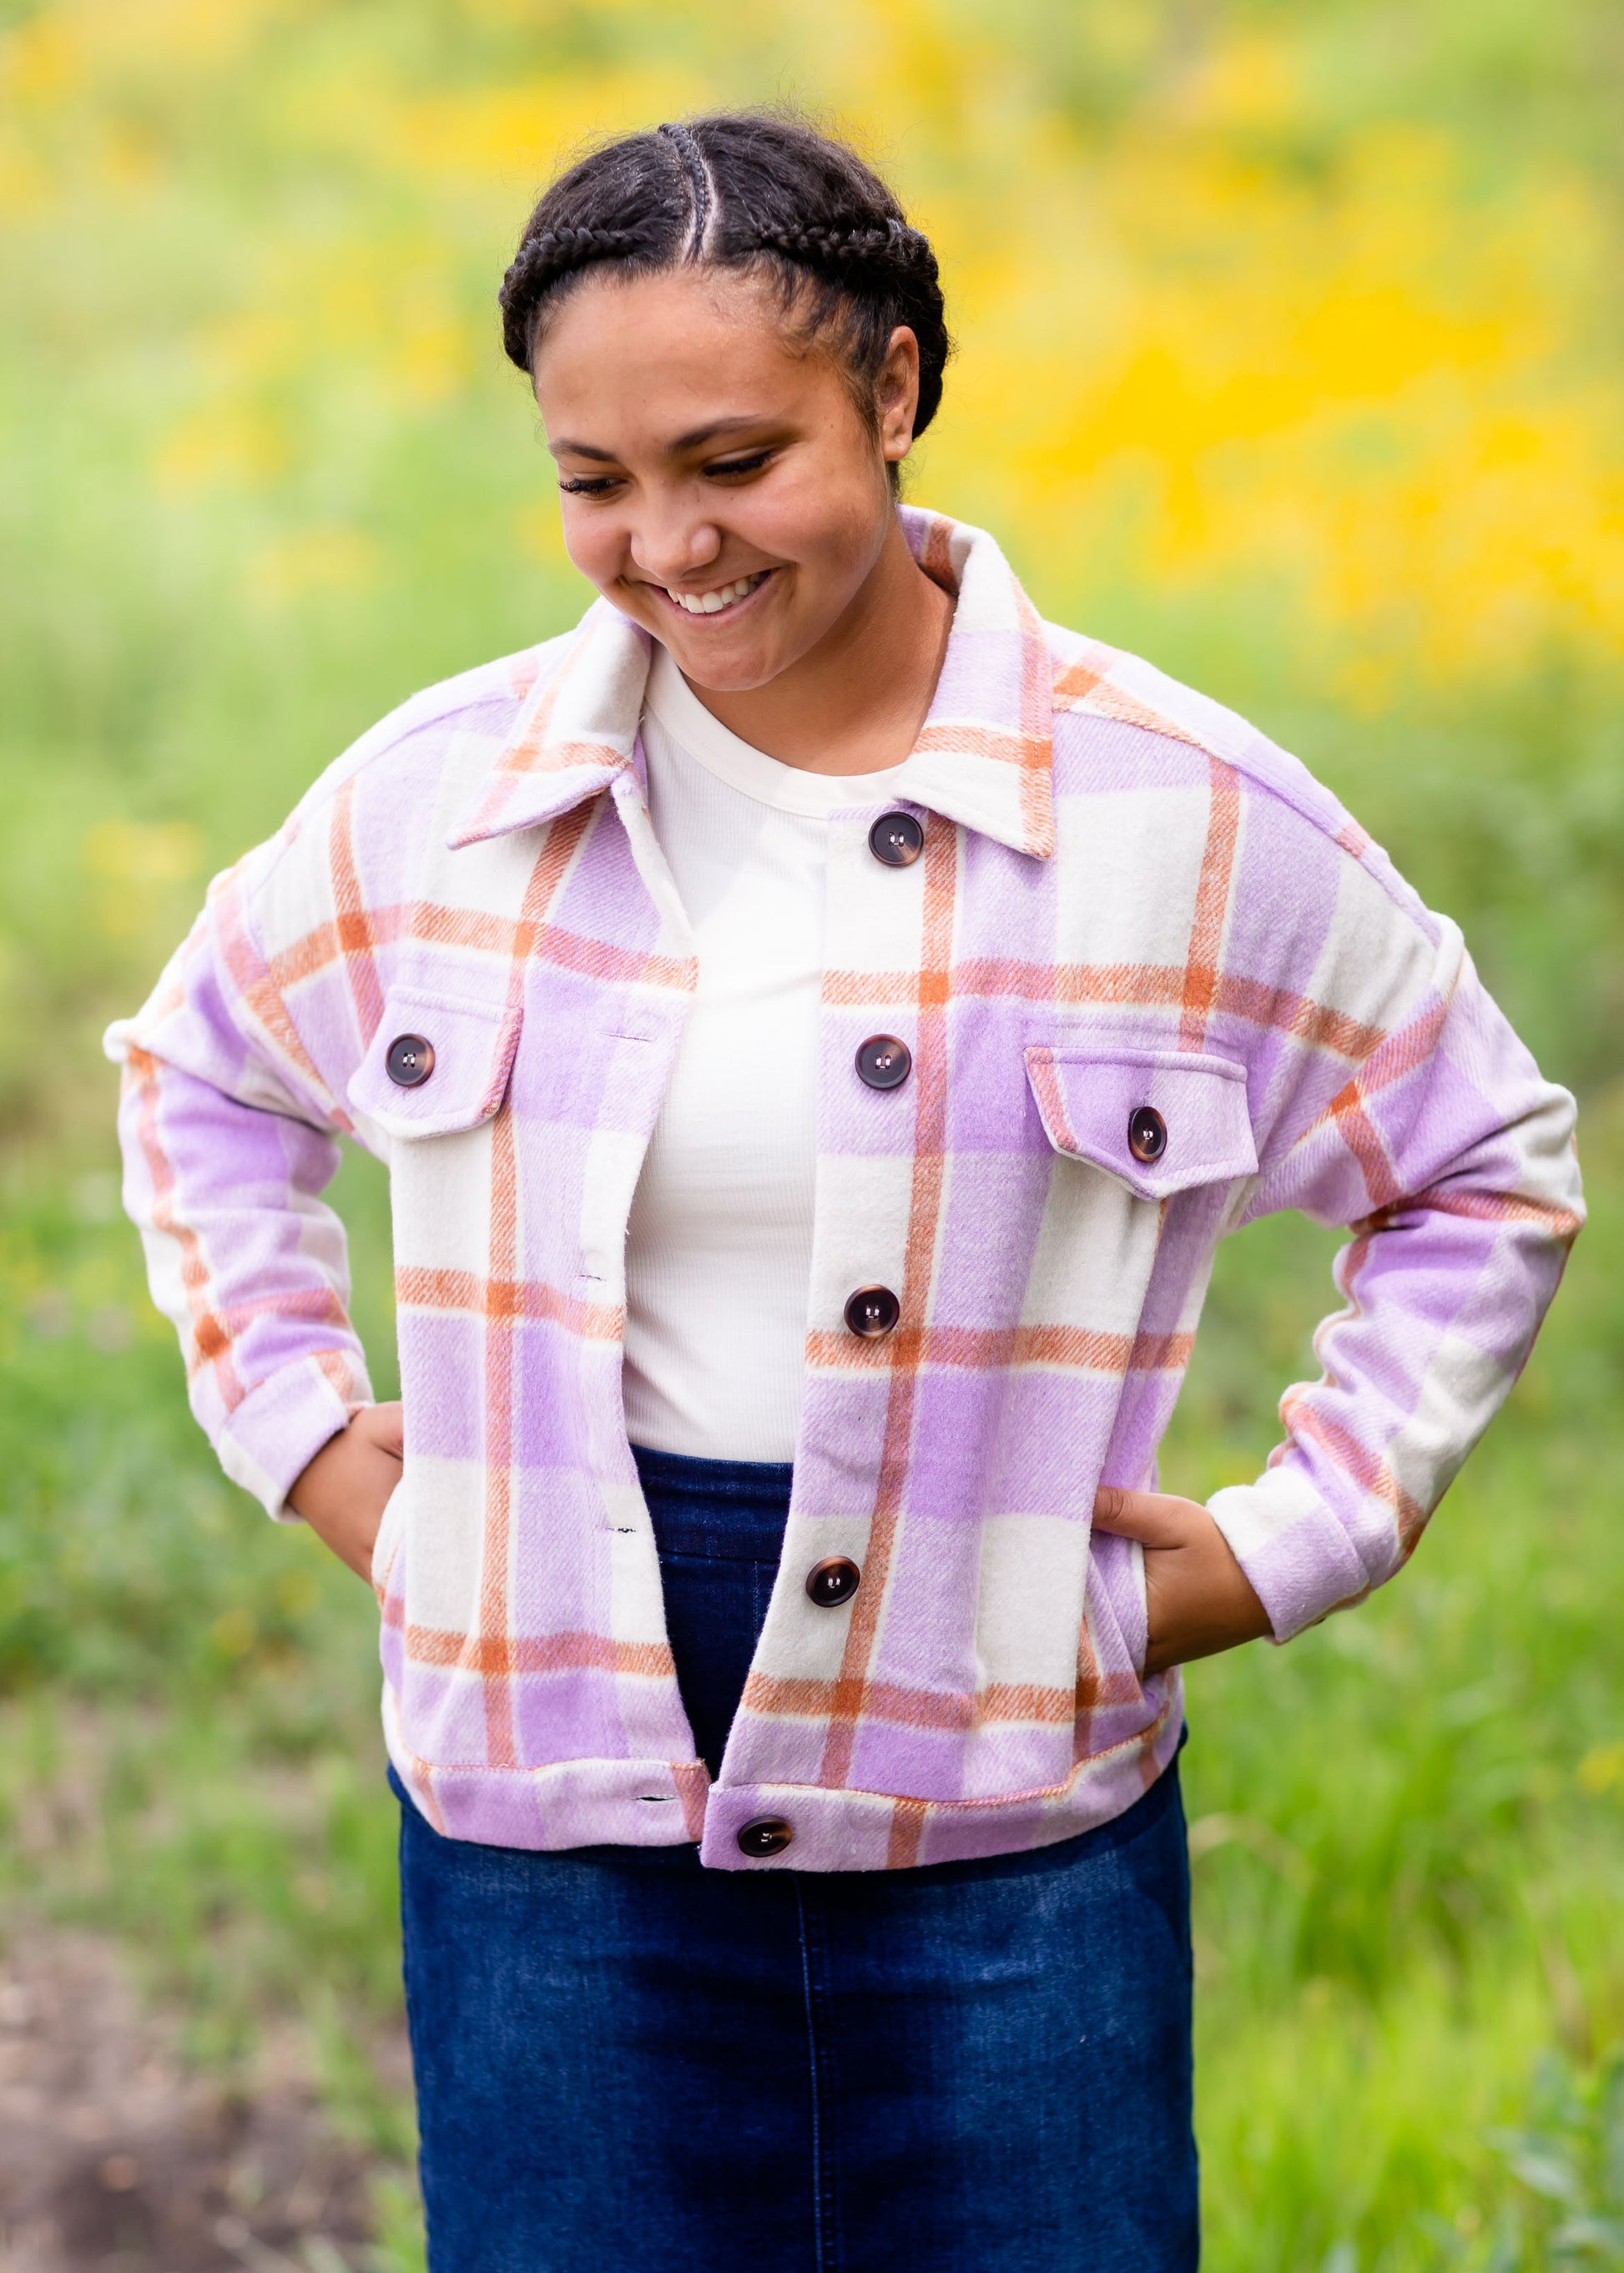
x=719, y=1245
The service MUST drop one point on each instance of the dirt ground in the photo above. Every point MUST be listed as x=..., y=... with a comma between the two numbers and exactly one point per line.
x=116, y=2159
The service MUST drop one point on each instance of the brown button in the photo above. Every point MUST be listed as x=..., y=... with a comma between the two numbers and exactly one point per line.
x=872, y=1312
x=1146, y=1133
x=409, y=1060
x=768, y=1835
x=833, y=1581
x=897, y=839
x=885, y=1062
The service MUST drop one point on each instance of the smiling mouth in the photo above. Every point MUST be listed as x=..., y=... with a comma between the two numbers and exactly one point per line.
x=722, y=600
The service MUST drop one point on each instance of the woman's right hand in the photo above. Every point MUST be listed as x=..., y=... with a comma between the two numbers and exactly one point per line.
x=342, y=1492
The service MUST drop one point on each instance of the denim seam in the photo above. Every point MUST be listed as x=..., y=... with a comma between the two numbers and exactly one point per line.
x=407, y=1998
x=806, y=1990
x=826, y=2223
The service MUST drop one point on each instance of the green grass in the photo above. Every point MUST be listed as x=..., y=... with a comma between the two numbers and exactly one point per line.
x=190, y=1758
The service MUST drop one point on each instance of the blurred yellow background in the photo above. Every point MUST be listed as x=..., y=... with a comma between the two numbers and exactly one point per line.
x=1290, y=352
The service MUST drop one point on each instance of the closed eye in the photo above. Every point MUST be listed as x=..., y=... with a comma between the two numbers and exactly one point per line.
x=599, y=485
x=723, y=467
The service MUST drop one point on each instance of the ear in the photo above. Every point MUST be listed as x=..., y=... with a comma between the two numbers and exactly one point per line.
x=896, y=395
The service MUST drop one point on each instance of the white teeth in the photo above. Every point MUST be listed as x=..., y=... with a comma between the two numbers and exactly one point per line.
x=708, y=603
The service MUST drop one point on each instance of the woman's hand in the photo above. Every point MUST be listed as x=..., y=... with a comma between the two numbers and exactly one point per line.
x=342, y=1491
x=1200, y=1599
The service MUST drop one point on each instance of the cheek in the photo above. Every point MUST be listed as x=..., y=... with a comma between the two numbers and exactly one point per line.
x=833, y=520
x=591, y=540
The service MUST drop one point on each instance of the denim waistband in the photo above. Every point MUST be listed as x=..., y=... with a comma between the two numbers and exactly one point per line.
x=722, y=1510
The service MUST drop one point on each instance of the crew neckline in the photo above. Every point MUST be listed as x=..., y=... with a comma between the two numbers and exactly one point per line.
x=740, y=764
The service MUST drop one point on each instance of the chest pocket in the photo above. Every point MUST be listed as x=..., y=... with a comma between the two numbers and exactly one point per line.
x=1162, y=1120
x=437, y=1064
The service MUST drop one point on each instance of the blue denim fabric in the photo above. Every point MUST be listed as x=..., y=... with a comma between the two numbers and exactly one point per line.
x=718, y=1526
x=623, y=2059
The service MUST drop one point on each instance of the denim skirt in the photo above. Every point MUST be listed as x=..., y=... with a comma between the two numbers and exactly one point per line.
x=623, y=2059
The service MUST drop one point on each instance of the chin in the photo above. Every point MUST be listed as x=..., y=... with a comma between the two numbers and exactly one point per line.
x=726, y=674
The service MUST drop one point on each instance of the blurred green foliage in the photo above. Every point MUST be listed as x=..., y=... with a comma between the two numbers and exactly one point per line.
x=1289, y=348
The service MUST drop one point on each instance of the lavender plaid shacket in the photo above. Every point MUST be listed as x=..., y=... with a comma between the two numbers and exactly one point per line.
x=1126, y=899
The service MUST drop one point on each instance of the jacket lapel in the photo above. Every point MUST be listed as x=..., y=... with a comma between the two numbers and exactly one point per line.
x=984, y=756
x=576, y=731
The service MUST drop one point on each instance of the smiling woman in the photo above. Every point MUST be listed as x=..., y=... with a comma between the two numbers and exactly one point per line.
x=820, y=1020
x=729, y=387
x=757, y=546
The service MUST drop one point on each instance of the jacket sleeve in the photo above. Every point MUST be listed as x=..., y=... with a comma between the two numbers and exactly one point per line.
x=1452, y=1162
x=229, y=1135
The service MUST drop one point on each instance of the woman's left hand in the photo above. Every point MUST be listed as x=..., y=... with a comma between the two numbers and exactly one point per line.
x=1200, y=1600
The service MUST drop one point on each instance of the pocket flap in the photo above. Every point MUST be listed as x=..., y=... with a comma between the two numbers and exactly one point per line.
x=1116, y=1107
x=436, y=1064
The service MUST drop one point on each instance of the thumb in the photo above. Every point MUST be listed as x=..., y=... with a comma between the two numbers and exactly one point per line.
x=1152, y=1518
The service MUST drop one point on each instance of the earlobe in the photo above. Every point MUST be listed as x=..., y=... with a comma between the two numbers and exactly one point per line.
x=896, y=431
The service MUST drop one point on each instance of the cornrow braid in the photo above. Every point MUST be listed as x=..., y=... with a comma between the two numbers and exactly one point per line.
x=542, y=261
x=743, y=190
x=894, y=240
x=698, y=182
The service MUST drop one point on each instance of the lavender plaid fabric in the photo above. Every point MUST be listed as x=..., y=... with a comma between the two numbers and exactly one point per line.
x=1127, y=899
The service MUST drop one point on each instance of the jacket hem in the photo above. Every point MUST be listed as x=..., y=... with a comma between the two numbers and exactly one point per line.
x=589, y=1803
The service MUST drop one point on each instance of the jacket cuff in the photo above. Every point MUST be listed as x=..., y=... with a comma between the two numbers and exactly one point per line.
x=1299, y=1559
x=279, y=1428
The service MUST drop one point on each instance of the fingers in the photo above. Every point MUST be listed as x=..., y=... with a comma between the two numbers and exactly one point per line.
x=384, y=1426
x=1155, y=1518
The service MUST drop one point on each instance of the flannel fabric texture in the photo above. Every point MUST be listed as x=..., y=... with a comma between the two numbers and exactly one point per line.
x=1127, y=899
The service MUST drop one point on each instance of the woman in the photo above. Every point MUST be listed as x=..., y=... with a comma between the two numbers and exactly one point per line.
x=820, y=1020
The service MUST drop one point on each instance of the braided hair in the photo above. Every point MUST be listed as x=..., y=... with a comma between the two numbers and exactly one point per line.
x=743, y=190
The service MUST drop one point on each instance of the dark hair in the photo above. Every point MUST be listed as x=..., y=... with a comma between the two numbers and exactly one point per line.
x=742, y=189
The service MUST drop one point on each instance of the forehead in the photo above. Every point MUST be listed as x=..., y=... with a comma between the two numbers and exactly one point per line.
x=665, y=345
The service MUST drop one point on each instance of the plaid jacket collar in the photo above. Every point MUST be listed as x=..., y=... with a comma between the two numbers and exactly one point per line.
x=983, y=757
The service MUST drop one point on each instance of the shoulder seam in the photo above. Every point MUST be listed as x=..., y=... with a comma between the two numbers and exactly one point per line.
x=409, y=726
x=310, y=804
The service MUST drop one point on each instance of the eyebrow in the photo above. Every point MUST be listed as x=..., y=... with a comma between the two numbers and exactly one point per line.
x=692, y=440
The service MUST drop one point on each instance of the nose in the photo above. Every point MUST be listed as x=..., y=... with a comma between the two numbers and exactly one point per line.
x=672, y=542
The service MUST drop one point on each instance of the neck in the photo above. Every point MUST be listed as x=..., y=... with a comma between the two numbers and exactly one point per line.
x=854, y=703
